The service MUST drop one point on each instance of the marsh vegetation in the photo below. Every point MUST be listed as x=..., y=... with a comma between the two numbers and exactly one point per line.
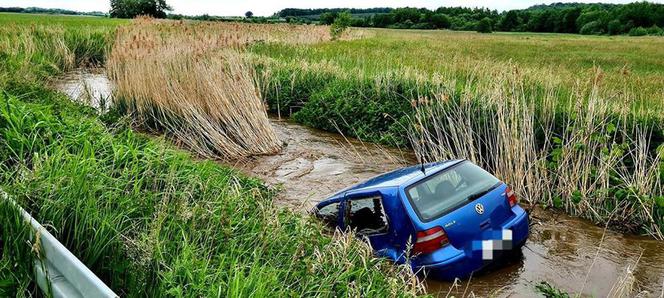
x=580, y=128
x=574, y=127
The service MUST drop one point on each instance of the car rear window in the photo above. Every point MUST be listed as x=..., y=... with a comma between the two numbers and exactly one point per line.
x=449, y=189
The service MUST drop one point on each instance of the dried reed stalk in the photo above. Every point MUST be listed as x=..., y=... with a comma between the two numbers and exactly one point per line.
x=191, y=80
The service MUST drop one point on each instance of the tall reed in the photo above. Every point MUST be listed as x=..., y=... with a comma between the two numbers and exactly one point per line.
x=191, y=80
x=580, y=154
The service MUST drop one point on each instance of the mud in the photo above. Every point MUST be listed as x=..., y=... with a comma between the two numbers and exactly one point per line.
x=571, y=254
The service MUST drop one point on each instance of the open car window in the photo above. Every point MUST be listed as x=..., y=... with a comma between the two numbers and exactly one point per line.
x=329, y=214
x=366, y=216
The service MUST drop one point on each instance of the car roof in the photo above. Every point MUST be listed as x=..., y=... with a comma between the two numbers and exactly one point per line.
x=401, y=176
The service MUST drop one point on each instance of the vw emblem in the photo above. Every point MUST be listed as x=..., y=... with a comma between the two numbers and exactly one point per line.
x=479, y=208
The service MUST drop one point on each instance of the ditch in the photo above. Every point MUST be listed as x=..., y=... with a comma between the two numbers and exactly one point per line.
x=569, y=253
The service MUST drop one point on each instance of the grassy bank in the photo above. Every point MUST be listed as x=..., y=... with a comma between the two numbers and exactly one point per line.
x=393, y=67
x=582, y=125
x=148, y=219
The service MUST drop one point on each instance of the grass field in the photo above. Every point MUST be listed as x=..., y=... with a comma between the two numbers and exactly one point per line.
x=572, y=122
x=628, y=64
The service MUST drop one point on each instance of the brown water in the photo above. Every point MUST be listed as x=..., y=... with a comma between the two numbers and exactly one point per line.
x=87, y=86
x=569, y=253
x=314, y=164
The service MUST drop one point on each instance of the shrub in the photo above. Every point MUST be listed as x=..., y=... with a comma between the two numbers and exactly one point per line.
x=341, y=23
x=655, y=30
x=594, y=27
x=422, y=26
x=638, y=31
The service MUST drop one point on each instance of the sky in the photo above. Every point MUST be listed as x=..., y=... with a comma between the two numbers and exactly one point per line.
x=266, y=8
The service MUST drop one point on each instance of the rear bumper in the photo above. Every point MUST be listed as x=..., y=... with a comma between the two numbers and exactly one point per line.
x=455, y=263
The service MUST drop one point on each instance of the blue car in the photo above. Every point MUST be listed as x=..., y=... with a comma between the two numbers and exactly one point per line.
x=448, y=219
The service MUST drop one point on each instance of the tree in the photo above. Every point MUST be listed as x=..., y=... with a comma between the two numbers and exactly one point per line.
x=614, y=27
x=401, y=15
x=341, y=23
x=327, y=18
x=568, y=22
x=485, y=26
x=248, y=14
x=133, y=8
x=598, y=16
x=382, y=20
x=509, y=21
x=440, y=21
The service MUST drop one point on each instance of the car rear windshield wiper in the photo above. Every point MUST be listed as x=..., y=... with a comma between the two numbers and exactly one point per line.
x=478, y=195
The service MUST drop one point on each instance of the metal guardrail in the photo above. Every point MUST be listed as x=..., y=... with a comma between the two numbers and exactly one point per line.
x=59, y=272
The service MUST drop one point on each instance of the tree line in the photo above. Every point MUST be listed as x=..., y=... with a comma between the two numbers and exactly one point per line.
x=133, y=8
x=49, y=11
x=638, y=18
x=300, y=12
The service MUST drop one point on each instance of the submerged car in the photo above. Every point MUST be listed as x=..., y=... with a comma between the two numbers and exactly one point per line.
x=448, y=219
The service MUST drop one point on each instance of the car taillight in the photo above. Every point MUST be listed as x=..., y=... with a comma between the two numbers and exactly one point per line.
x=430, y=240
x=511, y=197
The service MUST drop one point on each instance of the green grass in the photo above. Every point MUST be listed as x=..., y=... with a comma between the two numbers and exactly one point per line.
x=365, y=87
x=36, y=48
x=148, y=219
x=60, y=20
x=633, y=65
x=550, y=291
x=151, y=220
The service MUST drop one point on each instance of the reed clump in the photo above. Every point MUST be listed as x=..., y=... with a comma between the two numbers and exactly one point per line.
x=192, y=81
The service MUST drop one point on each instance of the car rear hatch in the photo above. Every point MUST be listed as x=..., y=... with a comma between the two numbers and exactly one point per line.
x=478, y=219
x=468, y=203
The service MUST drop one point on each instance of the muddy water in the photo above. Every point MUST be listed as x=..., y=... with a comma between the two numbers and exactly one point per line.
x=89, y=86
x=571, y=254
x=314, y=164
